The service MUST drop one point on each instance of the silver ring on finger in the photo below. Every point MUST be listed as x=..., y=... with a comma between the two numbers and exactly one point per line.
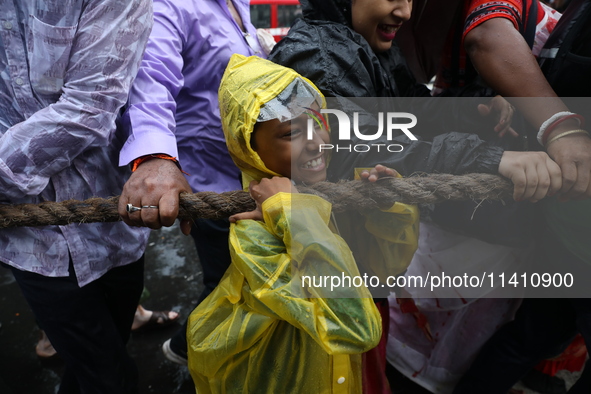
x=130, y=208
x=149, y=206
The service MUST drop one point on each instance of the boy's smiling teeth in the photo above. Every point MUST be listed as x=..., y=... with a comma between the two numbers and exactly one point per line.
x=313, y=163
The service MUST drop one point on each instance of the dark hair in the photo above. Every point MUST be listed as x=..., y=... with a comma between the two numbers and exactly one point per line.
x=338, y=11
x=253, y=143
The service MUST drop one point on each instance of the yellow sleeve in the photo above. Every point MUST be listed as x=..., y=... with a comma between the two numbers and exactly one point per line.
x=396, y=232
x=294, y=242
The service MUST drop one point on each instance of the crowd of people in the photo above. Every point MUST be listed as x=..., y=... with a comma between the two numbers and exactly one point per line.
x=150, y=99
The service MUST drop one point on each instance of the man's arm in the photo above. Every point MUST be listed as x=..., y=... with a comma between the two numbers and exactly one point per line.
x=104, y=59
x=150, y=121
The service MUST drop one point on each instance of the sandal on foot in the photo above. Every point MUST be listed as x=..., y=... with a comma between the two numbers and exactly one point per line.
x=157, y=320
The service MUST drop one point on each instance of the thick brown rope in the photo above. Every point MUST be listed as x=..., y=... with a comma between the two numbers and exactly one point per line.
x=344, y=196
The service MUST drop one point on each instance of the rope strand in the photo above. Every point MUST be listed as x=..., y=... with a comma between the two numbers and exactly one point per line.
x=358, y=195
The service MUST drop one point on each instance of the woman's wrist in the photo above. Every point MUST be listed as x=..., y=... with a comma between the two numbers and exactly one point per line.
x=559, y=123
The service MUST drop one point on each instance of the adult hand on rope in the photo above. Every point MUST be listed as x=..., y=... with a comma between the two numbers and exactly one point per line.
x=378, y=172
x=573, y=155
x=261, y=191
x=534, y=174
x=156, y=182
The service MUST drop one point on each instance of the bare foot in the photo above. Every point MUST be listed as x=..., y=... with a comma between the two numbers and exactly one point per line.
x=144, y=318
x=44, y=348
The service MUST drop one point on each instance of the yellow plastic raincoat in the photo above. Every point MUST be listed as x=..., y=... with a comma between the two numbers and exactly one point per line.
x=260, y=331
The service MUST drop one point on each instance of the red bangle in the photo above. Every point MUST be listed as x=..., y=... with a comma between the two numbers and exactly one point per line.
x=558, y=121
x=135, y=164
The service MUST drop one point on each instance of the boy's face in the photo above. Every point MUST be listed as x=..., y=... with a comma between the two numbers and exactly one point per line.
x=285, y=149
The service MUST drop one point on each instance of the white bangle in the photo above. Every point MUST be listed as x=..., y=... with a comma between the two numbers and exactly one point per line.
x=551, y=120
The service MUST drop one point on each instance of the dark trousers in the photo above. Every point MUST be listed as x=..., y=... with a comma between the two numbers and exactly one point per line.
x=89, y=326
x=543, y=328
x=211, y=240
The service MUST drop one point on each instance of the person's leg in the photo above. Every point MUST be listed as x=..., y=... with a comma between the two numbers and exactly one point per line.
x=583, y=309
x=122, y=287
x=558, y=256
x=89, y=326
x=542, y=328
x=375, y=380
x=211, y=240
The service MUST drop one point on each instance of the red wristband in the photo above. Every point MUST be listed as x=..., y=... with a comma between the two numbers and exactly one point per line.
x=135, y=164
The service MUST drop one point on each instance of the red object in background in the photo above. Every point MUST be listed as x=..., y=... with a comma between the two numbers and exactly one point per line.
x=572, y=359
x=275, y=16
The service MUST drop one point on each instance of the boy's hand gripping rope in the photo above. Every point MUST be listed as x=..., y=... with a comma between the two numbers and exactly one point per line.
x=351, y=195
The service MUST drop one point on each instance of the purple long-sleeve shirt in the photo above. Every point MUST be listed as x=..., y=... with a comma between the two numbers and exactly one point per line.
x=173, y=105
x=66, y=67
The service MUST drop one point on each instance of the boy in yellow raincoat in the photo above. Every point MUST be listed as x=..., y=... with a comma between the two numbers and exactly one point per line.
x=263, y=329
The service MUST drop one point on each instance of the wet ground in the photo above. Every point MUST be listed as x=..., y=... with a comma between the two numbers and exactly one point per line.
x=173, y=278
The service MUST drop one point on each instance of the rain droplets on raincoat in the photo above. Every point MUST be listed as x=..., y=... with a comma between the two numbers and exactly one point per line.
x=260, y=330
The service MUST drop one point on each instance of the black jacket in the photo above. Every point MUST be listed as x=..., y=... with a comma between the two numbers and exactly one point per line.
x=324, y=48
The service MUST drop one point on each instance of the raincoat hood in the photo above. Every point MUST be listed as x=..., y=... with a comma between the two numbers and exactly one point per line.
x=338, y=11
x=248, y=85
